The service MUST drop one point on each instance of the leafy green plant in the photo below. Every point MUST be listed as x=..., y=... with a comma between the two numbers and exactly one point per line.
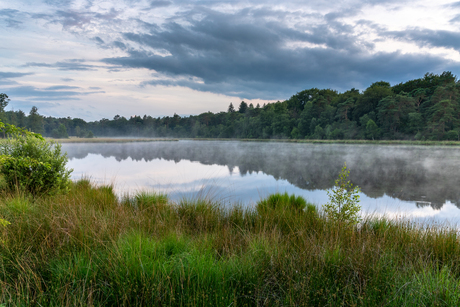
x=33, y=164
x=343, y=205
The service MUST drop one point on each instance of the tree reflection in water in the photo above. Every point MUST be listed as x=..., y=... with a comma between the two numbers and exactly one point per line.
x=427, y=175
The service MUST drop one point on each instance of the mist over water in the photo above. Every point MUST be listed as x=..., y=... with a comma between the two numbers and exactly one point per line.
x=416, y=181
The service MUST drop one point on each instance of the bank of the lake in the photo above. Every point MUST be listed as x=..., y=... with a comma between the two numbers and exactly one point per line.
x=90, y=248
x=110, y=140
x=351, y=141
x=311, y=141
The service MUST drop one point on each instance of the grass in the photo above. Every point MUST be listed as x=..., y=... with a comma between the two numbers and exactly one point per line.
x=90, y=248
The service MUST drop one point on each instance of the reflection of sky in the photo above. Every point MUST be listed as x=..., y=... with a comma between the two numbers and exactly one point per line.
x=193, y=179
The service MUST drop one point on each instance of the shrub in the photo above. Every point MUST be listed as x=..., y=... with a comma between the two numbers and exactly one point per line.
x=34, y=165
x=343, y=205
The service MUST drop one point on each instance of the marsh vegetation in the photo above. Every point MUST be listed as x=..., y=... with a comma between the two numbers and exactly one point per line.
x=90, y=248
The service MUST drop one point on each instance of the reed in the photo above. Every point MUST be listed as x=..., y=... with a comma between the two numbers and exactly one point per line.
x=91, y=248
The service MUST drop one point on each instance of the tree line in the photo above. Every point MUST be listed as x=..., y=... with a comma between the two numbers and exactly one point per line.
x=427, y=108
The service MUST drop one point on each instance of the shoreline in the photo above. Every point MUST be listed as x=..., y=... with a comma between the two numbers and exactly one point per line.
x=359, y=142
x=110, y=140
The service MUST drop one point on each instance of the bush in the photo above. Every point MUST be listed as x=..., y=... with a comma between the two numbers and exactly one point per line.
x=35, y=165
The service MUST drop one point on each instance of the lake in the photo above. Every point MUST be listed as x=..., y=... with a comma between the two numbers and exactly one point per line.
x=412, y=181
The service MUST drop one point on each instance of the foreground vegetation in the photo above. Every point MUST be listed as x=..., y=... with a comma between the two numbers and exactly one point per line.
x=89, y=248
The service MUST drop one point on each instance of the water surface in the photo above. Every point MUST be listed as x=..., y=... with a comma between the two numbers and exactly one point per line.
x=415, y=181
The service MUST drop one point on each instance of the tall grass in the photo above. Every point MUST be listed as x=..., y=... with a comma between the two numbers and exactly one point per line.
x=90, y=248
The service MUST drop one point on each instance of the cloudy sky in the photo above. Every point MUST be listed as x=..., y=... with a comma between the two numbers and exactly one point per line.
x=94, y=59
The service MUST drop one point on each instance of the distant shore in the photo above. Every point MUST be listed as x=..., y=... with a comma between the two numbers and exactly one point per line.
x=364, y=142
x=377, y=142
x=110, y=140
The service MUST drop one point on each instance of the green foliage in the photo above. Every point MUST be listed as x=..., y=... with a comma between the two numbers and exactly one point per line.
x=343, y=205
x=372, y=130
x=32, y=164
x=283, y=202
x=12, y=130
x=453, y=135
x=60, y=132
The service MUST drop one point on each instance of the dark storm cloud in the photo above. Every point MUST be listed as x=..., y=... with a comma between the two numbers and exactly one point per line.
x=430, y=38
x=257, y=57
x=317, y=68
x=74, y=64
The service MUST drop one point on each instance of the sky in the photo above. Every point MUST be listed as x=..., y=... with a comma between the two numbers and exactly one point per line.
x=95, y=59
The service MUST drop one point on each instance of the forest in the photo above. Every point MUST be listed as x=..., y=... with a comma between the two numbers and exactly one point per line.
x=427, y=108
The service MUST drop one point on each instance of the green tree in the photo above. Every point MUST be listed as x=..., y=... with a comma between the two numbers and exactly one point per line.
x=319, y=133
x=60, y=132
x=231, y=108
x=243, y=107
x=369, y=101
x=3, y=102
x=443, y=117
x=372, y=130
x=35, y=121
x=343, y=205
x=393, y=112
x=344, y=107
x=295, y=134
